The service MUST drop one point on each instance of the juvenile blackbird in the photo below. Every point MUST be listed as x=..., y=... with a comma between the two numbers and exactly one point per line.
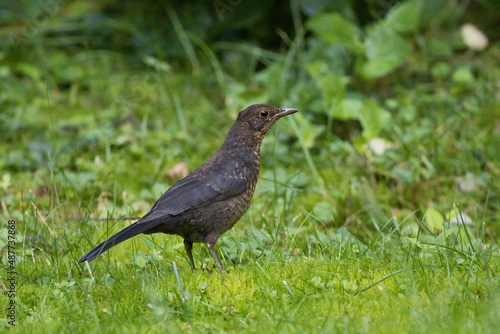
x=214, y=196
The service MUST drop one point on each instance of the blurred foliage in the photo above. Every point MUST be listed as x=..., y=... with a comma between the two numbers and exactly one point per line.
x=387, y=178
x=100, y=98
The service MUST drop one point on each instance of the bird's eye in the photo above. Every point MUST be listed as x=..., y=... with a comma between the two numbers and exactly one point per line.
x=264, y=114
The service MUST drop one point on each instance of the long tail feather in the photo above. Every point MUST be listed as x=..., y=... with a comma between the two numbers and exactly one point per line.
x=126, y=233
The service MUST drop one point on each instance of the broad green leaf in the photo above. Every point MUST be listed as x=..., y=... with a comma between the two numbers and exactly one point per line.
x=28, y=70
x=463, y=76
x=373, y=119
x=324, y=210
x=464, y=234
x=440, y=70
x=178, y=245
x=434, y=10
x=5, y=181
x=240, y=96
x=140, y=261
x=372, y=116
x=434, y=219
x=410, y=229
x=335, y=29
x=316, y=281
x=351, y=108
x=385, y=51
x=349, y=285
x=4, y=237
x=405, y=17
x=332, y=86
x=308, y=131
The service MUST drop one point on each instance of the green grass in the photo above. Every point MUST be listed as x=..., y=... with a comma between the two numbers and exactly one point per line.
x=337, y=239
x=432, y=290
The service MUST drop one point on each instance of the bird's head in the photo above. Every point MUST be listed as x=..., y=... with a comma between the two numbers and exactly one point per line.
x=260, y=117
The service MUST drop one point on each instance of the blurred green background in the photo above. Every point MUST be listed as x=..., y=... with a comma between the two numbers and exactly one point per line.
x=398, y=114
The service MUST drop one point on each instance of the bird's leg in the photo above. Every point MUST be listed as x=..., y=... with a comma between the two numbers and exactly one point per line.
x=189, y=246
x=211, y=245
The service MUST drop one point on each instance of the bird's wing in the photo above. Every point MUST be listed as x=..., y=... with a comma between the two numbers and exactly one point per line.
x=189, y=193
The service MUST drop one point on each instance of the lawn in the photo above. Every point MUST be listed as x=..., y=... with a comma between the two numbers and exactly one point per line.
x=376, y=210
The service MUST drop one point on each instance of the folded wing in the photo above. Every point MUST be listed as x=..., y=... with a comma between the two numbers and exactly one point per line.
x=190, y=193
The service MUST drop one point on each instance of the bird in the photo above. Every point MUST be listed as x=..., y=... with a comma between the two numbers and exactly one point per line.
x=213, y=197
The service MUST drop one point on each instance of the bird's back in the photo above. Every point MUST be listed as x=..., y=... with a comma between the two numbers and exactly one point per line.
x=232, y=173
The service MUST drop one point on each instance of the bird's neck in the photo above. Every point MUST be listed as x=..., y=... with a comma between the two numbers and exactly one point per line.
x=242, y=141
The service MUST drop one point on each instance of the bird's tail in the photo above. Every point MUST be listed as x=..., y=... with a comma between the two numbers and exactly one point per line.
x=126, y=233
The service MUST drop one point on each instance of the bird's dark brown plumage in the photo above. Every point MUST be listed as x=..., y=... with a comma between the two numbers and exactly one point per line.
x=214, y=196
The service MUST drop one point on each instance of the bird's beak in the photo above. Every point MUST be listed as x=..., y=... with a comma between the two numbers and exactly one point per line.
x=286, y=111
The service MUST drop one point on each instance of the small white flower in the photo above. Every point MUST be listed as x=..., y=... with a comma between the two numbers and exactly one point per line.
x=379, y=145
x=467, y=183
x=463, y=219
x=474, y=38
